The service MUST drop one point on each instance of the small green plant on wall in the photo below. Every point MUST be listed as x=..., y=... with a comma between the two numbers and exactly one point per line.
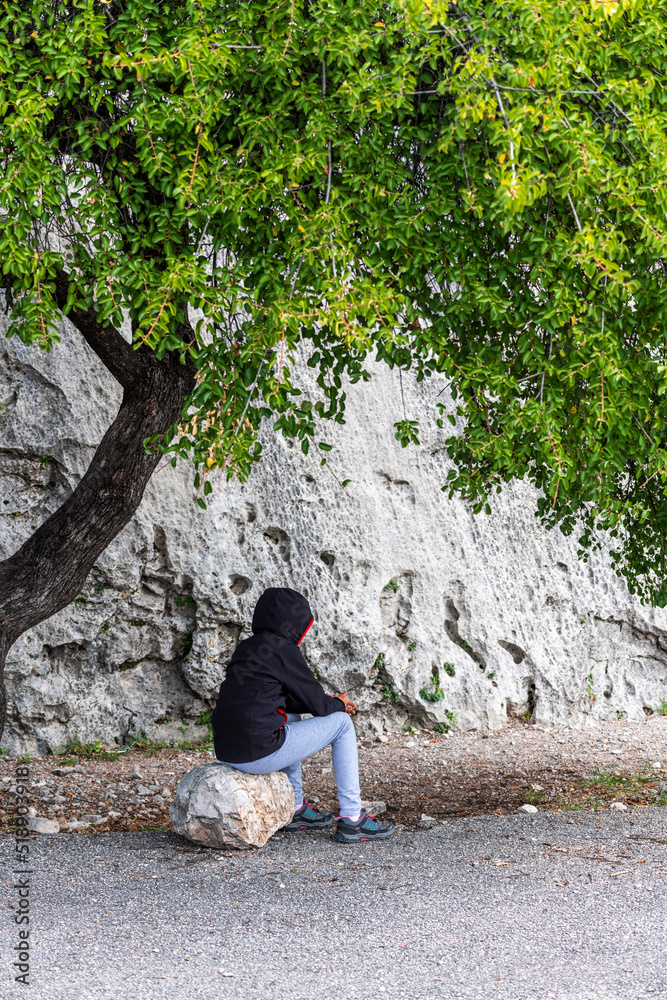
x=379, y=662
x=437, y=694
x=390, y=694
x=445, y=727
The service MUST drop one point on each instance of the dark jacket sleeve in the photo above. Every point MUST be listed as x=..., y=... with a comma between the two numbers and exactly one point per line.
x=302, y=688
x=295, y=707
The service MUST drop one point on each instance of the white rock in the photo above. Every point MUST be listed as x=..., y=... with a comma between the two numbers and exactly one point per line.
x=38, y=824
x=220, y=807
x=426, y=822
x=382, y=738
x=657, y=766
x=527, y=808
x=374, y=806
x=619, y=806
x=175, y=591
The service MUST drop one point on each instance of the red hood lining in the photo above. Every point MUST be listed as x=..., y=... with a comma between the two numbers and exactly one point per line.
x=311, y=622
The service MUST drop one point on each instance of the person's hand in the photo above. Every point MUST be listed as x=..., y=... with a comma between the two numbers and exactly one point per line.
x=350, y=707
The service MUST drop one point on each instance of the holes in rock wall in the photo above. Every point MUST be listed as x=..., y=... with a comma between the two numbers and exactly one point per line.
x=531, y=695
x=516, y=652
x=452, y=630
x=160, y=545
x=399, y=488
x=279, y=541
x=525, y=708
x=328, y=558
x=239, y=584
x=452, y=613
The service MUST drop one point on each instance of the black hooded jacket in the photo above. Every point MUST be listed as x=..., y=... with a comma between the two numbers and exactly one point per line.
x=267, y=677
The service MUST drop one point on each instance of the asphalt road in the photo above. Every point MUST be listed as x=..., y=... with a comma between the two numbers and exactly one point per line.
x=555, y=907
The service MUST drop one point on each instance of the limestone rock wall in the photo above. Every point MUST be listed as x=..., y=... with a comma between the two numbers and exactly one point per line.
x=401, y=579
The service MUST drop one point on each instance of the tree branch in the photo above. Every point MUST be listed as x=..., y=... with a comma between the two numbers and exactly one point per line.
x=124, y=363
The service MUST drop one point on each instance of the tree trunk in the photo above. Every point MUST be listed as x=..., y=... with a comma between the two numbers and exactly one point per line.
x=50, y=568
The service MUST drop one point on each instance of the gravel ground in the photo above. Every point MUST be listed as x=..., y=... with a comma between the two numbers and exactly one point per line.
x=552, y=907
x=464, y=774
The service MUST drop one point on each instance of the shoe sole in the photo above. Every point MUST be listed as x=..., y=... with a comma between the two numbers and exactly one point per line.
x=309, y=826
x=352, y=838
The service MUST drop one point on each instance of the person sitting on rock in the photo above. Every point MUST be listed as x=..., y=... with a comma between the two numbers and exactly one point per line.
x=257, y=724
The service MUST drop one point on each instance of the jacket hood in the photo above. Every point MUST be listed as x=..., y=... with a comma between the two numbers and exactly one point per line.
x=283, y=611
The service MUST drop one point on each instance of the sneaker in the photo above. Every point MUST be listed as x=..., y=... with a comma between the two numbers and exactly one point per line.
x=366, y=828
x=307, y=818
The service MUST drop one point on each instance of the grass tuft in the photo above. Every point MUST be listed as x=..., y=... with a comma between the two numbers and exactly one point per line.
x=390, y=694
x=95, y=750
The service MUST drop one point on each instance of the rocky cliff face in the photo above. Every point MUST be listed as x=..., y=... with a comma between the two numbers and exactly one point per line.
x=488, y=616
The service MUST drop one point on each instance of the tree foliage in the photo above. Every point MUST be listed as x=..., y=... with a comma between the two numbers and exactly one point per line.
x=470, y=188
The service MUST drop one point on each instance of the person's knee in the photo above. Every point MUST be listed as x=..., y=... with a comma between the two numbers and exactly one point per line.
x=346, y=724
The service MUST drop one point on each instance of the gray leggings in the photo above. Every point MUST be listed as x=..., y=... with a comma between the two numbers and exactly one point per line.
x=304, y=737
